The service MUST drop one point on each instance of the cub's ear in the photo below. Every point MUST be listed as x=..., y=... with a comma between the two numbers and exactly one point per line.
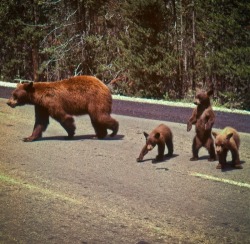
x=146, y=135
x=157, y=135
x=214, y=134
x=229, y=136
x=210, y=92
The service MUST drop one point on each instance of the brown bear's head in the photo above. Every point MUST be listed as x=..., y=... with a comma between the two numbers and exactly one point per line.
x=221, y=141
x=151, y=140
x=203, y=98
x=21, y=95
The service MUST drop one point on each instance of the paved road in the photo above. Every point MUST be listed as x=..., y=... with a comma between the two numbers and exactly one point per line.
x=93, y=191
x=240, y=122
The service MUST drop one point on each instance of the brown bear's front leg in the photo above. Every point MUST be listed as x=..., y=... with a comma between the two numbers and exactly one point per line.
x=211, y=150
x=236, y=159
x=41, y=123
x=161, y=149
x=222, y=160
x=144, y=151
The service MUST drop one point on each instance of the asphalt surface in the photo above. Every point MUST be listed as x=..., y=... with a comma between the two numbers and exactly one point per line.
x=94, y=191
x=167, y=113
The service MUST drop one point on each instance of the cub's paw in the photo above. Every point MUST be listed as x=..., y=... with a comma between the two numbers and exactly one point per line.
x=211, y=159
x=29, y=139
x=194, y=159
x=139, y=160
x=219, y=166
x=238, y=166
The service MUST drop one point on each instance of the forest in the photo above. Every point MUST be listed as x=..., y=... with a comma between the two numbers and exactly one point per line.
x=161, y=49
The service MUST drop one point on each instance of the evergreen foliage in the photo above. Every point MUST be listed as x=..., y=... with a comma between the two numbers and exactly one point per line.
x=145, y=48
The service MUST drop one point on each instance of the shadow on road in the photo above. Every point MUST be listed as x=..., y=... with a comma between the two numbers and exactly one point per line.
x=81, y=137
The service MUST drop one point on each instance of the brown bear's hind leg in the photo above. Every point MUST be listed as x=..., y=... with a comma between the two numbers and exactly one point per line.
x=197, y=144
x=102, y=124
x=211, y=150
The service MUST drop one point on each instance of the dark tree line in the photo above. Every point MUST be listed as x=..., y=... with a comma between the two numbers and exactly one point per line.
x=146, y=48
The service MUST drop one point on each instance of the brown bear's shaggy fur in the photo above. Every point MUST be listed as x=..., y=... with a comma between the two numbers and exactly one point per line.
x=227, y=140
x=203, y=117
x=62, y=99
x=160, y=136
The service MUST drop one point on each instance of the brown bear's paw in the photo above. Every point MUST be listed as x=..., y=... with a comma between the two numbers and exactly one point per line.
x=115, y=129
x=30, y=139
x=139, y=160
x=238, y=166
x=211, y=159
x=159, y=158
x=194, y=159
x=69, y=137
x=219, y=166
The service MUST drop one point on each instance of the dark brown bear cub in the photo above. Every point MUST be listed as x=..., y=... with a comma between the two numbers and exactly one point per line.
x=227, y=140
x=160, y=136
x=62, y=99
x=203, y=117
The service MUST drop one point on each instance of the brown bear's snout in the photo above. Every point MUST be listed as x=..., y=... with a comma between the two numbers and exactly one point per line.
x=218, y=149
x=196, y=101
x=12, y=103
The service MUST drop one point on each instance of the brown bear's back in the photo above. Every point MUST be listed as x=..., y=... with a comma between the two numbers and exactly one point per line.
x=235, y=137
x=83, y=93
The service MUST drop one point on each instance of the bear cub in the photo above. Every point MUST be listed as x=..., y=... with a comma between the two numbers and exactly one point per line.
x=227, y=140
x=160, y=136
x=203, y=117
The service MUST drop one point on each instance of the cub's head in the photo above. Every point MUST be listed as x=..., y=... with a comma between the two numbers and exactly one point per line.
x=221, y=141
x=151, y=140
x=21, y=95
x=203, y=98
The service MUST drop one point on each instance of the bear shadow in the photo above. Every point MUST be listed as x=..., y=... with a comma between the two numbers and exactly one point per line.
x=229, y=166
x=154, y=161
x=81, y=137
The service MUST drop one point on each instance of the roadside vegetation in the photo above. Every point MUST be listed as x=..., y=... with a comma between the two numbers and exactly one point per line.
x=159, y=49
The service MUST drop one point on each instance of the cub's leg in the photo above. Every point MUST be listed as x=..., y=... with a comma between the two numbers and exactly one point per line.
x=236, y=159
x=143, y=152
x=161, y=149
x=211, y=149
x=222, y=160
x=197, y=144
x=41, y=123
x=170, y=147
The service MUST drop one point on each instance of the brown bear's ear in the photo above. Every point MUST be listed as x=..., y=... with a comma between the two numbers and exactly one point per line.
x=214, y=134
x=28, y=86
x=146, y=135
x=157, y=135
x=229, y=136
x=210, y=92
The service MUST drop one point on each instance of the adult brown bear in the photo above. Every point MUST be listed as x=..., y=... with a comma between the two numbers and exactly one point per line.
x=62, y=99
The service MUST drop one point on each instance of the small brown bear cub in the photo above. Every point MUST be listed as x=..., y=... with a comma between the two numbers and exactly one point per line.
x=62, y=99
x=227, y=140
x=203, y=117
x=160, y=136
